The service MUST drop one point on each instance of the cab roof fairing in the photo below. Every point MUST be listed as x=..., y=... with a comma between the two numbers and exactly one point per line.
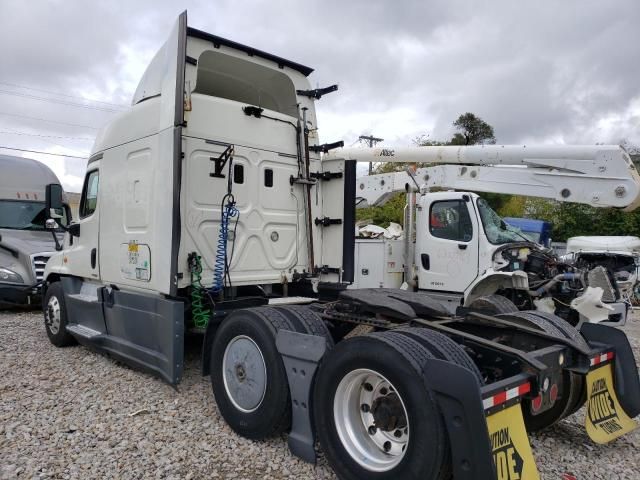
x=159, y=69
x=157, y=87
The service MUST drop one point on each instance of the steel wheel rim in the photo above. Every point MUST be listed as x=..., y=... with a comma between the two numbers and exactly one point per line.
x=375, y=450
x=52, y=315
x=244, y=374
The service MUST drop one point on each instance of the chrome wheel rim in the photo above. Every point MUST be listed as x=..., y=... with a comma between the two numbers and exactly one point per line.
x=52, y=315
x=362, y=405
x=244, y=373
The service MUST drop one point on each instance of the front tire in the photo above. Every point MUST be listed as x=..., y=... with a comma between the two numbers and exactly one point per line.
x=55, y=316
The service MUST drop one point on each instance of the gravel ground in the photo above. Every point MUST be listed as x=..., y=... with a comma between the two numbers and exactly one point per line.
x=72, y=413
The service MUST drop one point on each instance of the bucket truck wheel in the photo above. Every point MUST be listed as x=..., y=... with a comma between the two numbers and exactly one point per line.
x=374, y=413
x=55, y=316
x=493, y=304
x=572, y=385
x=247, y=373
x=443, y=348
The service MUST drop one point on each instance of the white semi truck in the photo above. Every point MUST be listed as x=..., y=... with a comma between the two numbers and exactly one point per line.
x=459, y=252
x=208, y=205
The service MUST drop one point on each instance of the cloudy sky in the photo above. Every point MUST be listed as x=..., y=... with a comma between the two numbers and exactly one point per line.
x=539, y=72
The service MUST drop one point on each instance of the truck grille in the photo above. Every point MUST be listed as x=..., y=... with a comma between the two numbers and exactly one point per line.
x=39, y=262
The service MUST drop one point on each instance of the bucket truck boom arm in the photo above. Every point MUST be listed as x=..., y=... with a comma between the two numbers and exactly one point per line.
x=598, y=175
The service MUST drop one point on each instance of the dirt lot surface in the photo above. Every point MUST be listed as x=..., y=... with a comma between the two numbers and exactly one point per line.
x=73, y=413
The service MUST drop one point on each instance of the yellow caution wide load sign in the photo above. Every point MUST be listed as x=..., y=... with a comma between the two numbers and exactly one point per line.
x=510, y=445
x=605, y=419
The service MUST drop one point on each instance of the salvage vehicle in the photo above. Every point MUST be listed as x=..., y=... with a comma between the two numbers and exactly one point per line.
x=210, y=205
x=620, y=255
x=25, y=242
x=459, y=252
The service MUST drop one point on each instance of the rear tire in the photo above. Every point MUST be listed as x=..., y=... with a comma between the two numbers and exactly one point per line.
x=493, y=304
x=380, y=372
x=248, y=377
x=572, y=384
x=55, y=316
x=442, y=348
x=565, y=327
x=574, y=334
x=306, y=320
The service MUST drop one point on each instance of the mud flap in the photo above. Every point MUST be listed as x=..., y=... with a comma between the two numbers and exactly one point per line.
x=510, y=445
x=605, y=420
x=626, y=381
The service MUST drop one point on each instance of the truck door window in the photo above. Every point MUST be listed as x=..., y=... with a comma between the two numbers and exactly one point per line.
x=89, y=200
x=450, y=220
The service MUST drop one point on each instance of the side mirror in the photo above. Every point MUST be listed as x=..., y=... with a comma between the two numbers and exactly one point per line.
x=74, y=229
x=51, y=224
x=53, y=201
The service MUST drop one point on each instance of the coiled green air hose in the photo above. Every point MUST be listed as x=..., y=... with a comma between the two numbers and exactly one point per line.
x=200, y=312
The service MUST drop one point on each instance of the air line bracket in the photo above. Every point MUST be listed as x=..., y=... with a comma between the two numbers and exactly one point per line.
x=326, y=221
x=317, y=93
x=221, y=161
x=325, y=175
x=325, y=147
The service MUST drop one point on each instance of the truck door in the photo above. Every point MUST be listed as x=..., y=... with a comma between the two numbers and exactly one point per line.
x=446, y=242
x=82, y=256
x=82, y=291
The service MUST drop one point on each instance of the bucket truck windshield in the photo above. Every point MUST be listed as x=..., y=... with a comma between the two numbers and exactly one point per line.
x=496, y=230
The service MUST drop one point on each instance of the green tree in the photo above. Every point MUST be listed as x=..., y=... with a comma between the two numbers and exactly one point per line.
x=472, y=131
x=392, y=211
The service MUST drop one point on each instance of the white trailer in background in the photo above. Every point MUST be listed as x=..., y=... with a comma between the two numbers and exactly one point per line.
x=207, y=206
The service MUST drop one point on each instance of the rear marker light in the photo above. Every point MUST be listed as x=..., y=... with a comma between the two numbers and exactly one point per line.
x=536, y=403
x=553, y=393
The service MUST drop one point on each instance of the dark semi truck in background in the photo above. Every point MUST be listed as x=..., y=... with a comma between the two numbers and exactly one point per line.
x=25, y=243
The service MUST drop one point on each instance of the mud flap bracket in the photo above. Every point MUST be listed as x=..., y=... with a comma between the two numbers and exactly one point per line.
x=301, y=354
x=459, y=398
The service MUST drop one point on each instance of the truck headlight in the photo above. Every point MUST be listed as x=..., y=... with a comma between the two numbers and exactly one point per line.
x=7, y=275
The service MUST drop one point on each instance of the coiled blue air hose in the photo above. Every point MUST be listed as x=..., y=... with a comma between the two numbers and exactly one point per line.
x=220, y=268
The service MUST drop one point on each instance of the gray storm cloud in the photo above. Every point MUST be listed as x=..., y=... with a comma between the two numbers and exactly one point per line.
x=547, y=72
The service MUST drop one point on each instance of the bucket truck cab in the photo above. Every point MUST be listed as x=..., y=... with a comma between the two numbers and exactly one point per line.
x=457, y=236
x=464, y=251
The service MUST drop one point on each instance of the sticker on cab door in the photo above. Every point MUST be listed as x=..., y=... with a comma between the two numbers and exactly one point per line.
x=510, y=445
x=605, y=419
x=135, y=261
